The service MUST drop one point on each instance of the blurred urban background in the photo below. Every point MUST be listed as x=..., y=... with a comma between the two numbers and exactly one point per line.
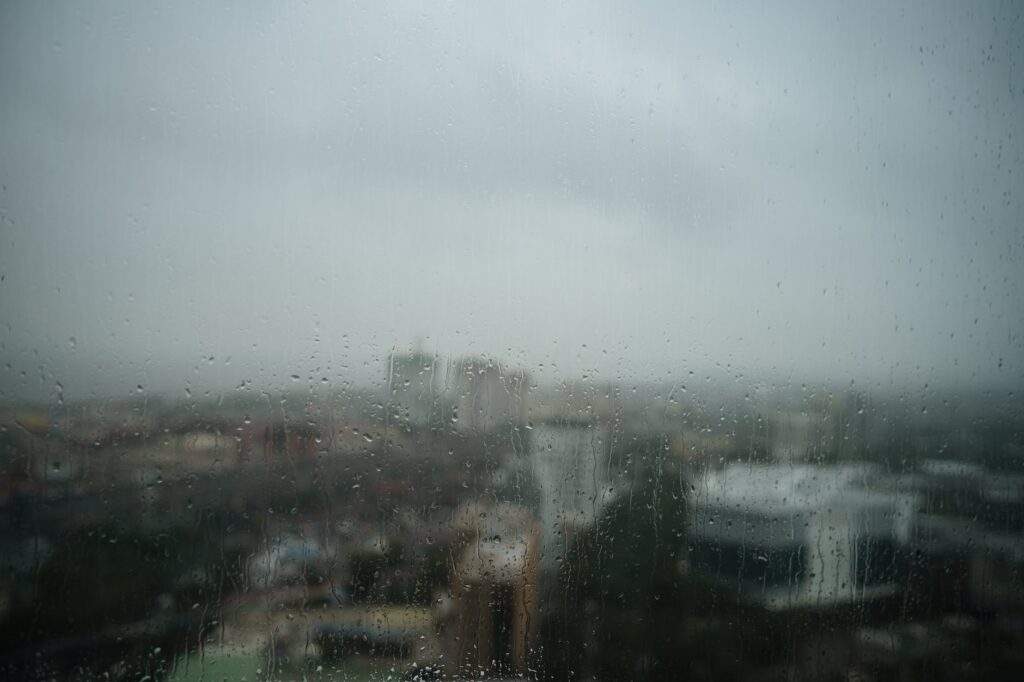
x=463, y=521
x=576, y=341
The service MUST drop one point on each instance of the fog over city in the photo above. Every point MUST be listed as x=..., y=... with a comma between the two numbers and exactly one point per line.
x=492, y=341
x=199, y=196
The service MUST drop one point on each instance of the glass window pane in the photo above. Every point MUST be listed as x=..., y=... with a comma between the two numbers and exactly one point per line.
x=591, y=342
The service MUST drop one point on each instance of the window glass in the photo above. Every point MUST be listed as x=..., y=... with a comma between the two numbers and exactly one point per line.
x=370, y=341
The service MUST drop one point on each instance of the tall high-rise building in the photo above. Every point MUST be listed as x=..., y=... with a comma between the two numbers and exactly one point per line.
x=576, y=481
x=486, y=395
x=413, y=380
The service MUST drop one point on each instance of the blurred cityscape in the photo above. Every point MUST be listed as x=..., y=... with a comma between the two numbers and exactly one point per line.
x=459, y=521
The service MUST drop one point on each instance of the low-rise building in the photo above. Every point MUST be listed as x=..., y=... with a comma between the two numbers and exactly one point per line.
x=790, y=536
x=494, y=586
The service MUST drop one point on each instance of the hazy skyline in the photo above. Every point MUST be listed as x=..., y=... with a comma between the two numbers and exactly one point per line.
x=829, y=191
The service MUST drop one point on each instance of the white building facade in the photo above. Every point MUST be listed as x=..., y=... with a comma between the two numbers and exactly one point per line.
x=799, y=536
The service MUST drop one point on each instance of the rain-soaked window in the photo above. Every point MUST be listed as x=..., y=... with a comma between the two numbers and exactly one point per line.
x=451, y=341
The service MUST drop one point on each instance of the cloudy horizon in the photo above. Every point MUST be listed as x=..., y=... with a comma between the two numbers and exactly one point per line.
x=824, y=192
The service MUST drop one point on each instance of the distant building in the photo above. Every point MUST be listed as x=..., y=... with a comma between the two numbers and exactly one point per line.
x=291, y=559
x=969, y=535
x=265, y=442
x=403, y=633
x=799, y=536
x=494, y=614
x=702, y=445
x=575, y=400
x=791, y=435
x=576, y=481
x=826, y=428
x=485, y=395
x=413, y=381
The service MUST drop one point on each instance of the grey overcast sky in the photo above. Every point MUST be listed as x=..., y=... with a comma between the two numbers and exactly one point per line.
x=201, y=194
